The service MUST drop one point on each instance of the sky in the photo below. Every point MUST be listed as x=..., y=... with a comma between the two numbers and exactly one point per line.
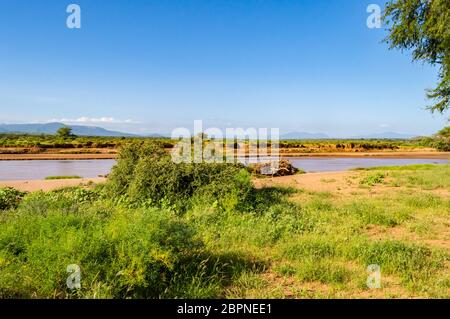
x=151, y=66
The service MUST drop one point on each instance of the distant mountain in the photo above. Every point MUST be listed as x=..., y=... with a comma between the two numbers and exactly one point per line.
x=51, y=128
x=321, y=136
x=156, y=135
x=303, y=136
x=385, y=135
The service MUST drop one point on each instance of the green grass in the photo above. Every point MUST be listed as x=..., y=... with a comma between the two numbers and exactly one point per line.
x=413, y=167
x=62, y=177
x=310, y=244
x=373, y=179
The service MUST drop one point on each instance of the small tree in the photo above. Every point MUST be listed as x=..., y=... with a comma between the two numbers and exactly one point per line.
x=445, y=132
x=64, y=132
x=442, y=139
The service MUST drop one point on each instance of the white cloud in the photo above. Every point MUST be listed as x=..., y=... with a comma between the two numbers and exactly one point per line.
x=384, y=125
x=93, y=120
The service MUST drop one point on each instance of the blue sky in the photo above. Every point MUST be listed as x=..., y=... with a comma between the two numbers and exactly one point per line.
x=151, y=66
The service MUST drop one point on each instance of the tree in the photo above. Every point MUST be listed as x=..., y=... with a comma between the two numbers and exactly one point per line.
x=442, y=139
x=423, y=26
x=445, y=132
x=64, y=132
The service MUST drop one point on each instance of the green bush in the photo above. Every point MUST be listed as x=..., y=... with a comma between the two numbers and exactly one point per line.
x=10, y=198
x=146, y=174
x=442, y=144
x=121, y=253
x=440, y=141
x=374, y=179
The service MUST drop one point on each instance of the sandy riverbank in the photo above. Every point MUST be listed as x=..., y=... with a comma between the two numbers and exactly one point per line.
x=48, y=185
x=317, y=182
x=341, y=182
x=312, y=181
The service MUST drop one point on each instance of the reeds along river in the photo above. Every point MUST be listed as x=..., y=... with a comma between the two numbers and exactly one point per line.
x=38, y=169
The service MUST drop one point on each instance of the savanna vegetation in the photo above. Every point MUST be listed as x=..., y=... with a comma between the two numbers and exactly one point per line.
x=48, y=144
x=440, y=141
x=61, y=143
x=158, y=229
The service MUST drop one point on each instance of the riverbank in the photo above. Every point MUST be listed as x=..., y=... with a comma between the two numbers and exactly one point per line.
x=393, y=154
x=311, y=181
x=341, y=182
x=324, y=181
x=48, y=185
x=52, y=157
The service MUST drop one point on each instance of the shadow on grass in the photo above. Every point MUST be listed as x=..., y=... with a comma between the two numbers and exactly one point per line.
x=266, y=197
x=207, y=275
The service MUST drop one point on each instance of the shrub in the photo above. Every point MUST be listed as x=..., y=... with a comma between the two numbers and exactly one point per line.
x=440, y=141
x=146, y=174
x=374, y=179
x=121, y=254
x=10, y=198
x=130, y=153
x=442, y=144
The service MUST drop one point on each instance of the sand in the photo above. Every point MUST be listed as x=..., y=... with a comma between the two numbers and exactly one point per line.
x=326, y=181
x=48, y=185
x=318, y=182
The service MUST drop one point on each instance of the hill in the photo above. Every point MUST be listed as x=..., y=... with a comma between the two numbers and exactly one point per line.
x=303, y=136
x=51, y=128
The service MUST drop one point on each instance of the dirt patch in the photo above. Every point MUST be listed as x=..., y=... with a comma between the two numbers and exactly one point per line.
x=344, y=183
x=48, y=185
x=402, y=234
x=291, y=288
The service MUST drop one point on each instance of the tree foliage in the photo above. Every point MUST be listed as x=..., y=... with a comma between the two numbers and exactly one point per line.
x=64, y=132
x=145, y=173
x=423, y=26
x=10, y=198
x=445, y=132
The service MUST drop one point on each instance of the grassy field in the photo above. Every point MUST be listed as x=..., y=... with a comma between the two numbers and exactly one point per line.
x=206, y=232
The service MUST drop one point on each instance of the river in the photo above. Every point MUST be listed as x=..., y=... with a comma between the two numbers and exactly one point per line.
x=39, y=169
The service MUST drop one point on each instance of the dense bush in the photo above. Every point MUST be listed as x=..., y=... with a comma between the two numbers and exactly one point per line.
x=442, y=144
x=53, y=141
x=442, y=141
x=121, y=253
x=439, y=141
x=145, y=173
x=10, y=198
